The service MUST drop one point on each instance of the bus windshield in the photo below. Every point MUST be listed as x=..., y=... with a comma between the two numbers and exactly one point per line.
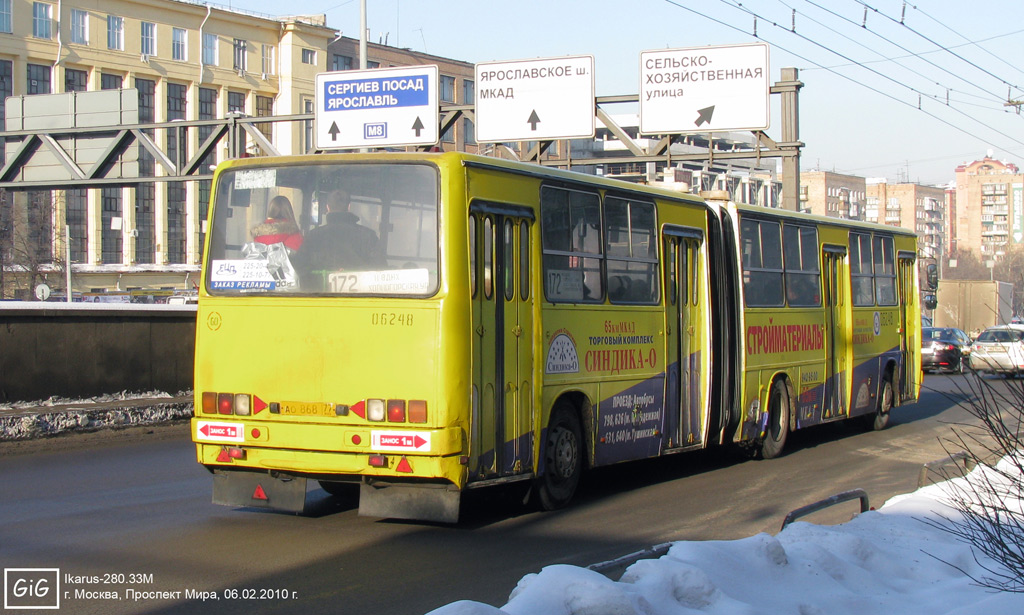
x=325, y=229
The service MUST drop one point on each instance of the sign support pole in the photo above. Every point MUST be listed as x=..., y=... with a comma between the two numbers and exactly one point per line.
x=789, y=88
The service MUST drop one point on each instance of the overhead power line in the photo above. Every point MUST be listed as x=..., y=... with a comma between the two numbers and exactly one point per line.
x=841, y=75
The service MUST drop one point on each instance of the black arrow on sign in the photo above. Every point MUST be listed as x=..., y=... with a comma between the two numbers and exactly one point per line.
x=334, y=131
x=417, y=125
x=534, y=120
x=705, y=115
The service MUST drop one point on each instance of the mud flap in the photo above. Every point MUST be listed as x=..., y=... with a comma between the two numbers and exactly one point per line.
x=260, y=490
x=419, y=502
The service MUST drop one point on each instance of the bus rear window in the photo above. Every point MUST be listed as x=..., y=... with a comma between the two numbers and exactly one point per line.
x=325, y=228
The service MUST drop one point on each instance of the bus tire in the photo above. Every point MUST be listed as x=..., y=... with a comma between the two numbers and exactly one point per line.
x=880, y=418
x=778, y=421
x=563, y=459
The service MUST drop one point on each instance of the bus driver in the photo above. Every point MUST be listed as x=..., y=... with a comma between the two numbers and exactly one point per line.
x=341, y=243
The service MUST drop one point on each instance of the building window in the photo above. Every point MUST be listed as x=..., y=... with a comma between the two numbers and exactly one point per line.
x=42, y=20
x=110, y=81
x=447, y=90
x=239, y=62
x=468, y=98
x=76, y=209
x=6, y=89
x=176, y=233
x=110, y=234
x=340, y=62
x=5, y=16
x=207, y=111
x=307, y=128
x=145, y=193
x=79, y=27
x=265, y=108
x=148, y=42
x=210, y=49
x=267, y=60
x=75, y=80
x=179, y=44
x=115, y=32
x=308, y=56
x=38, y=79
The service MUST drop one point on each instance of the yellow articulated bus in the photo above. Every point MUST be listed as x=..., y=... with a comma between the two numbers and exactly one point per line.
x=421, y=324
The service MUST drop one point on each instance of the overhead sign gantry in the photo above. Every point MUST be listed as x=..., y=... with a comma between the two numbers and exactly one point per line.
x=377, y=108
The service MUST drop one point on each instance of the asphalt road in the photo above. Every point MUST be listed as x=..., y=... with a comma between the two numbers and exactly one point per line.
x=135, y=503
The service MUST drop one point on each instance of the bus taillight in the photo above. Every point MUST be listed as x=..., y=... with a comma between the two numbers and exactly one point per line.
x=417, y=411
x=225, y=402
x=243, y=405
x=209, y=403
x=375, y=410
x=396, y=410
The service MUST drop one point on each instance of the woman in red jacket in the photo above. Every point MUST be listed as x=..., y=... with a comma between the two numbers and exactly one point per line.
x=280, y=225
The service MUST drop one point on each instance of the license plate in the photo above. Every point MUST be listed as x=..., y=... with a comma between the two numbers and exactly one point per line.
x=294, y=408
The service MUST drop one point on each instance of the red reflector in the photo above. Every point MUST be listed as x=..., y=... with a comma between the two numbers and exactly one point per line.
x=209, y=403
x=255, y=433
x=222, y=457
x=259, y=493
x=396, y=410
x=404, y=466
x=417, y=411
x=225, y=402
x=378, y=461
x=236, y=453
x=356, y=439
x=359, y=409
x=258, y=405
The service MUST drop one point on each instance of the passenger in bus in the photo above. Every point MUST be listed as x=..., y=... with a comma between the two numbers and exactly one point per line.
x=280, y=225
x=340, y=244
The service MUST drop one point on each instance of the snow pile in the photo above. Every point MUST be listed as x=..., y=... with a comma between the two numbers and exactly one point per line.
x=881, y=562
x=116, y=410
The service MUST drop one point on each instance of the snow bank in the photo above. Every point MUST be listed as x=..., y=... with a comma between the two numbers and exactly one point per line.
x=96, y=413
x=881, y=562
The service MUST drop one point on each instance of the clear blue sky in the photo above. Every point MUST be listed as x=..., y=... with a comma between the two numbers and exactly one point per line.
x=864, y=81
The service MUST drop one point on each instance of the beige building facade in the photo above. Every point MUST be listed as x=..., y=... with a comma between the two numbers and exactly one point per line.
x=989, y=208
x=835, y=195
x=187, y=61
x=921, y=209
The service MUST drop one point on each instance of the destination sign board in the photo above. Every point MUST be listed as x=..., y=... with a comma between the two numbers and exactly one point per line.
x=535, y=100
x=704, y=89
x=377, y=108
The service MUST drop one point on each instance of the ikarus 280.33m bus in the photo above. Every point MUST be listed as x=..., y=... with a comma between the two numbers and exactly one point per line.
x=421, y=324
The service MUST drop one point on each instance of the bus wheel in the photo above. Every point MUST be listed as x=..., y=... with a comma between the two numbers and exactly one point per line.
x=778, y=421
x=563, y=459
x=880, y=418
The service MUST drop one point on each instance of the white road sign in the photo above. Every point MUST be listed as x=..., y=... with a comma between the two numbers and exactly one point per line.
x=535, y=100
x=377, y=108
x=704, y=89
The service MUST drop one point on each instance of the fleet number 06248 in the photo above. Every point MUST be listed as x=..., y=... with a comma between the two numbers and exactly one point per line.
x=401, y=319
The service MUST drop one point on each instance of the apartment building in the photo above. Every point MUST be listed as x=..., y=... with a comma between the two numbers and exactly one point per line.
x=921, y=209
x=186, y=60
x=989, y=207
x=835, y=195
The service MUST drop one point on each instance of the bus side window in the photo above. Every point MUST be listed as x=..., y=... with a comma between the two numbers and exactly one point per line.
x=762, y=262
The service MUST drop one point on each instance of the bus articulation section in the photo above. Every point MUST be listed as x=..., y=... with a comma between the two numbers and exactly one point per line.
x=415, y=325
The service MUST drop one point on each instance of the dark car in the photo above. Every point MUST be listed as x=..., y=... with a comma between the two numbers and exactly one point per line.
x=944, y=349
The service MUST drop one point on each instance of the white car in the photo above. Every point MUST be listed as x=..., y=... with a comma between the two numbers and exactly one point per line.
x=999, y=350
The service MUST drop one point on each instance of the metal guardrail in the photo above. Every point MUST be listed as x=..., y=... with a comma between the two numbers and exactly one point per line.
x=846, y=496
x=945, y=461
x=609, y=567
